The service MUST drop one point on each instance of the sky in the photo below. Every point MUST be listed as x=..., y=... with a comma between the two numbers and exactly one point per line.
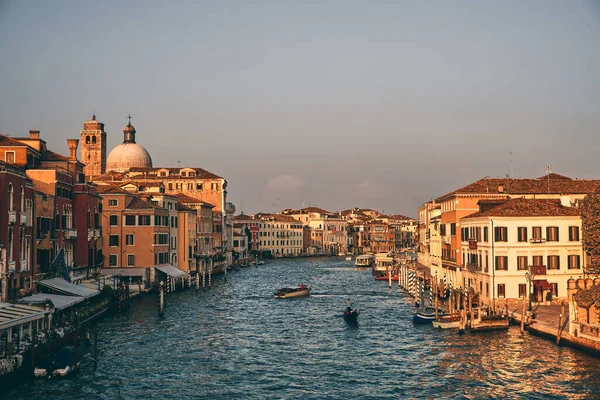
x=380, y=105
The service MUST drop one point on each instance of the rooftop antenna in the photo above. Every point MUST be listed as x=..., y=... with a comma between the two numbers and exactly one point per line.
x=511, y=166
x=548, y=172
x=129, y=117
x=242, y=207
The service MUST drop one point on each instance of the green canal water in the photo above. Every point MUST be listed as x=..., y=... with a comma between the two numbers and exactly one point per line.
x=235, y=341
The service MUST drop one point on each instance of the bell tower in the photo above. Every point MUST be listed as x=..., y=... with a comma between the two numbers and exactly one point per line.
x=93, y=148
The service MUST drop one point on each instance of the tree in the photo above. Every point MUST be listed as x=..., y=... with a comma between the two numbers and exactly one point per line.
x=590, y=232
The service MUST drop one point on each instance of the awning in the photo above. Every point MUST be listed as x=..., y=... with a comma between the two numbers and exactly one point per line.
x=17, y=314
x=542, y=284
x=62, y=286
x=124, y=271
x=171, y=271
x=60, y=302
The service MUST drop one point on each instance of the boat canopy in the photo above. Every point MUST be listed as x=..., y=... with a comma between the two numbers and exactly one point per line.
x=170, y=270
x=62, y=286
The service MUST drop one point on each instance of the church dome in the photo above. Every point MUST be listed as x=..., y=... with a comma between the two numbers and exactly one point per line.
x=128, y=155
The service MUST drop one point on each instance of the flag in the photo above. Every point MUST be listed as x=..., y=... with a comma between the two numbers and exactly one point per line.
x=59, y=266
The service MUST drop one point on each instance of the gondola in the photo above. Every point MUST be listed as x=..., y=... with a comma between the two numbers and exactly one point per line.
x=426, y=315
x=351, y=315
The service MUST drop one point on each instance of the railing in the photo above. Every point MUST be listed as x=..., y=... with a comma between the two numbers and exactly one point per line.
x=12, y=217
x=24, y=219
x=537, y=240
x=471, y=267
x=70, y=233
x=11, y=267
x=97, y=233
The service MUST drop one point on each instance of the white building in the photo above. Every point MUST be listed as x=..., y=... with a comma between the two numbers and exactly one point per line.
x=521, y=247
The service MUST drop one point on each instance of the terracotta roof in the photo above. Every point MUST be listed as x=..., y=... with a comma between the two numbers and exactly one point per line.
x=143, y=183
x=111, y=189
x=110, y=176
x=6, y=140
x=400, y=216
x=200, y=173
x=242, y=217
x=555, y=176
x=522, y=207
x=490, y=186
x=138, y=204
x=275, y=217
x=52, y=156
x=181, y=207
x=315, y=210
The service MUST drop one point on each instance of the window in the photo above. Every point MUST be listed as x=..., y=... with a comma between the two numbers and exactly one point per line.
x=214, y=187
x=485, y=233
x=522, y=234
x=574, y=262
x=87, y=140
x=537, y=232
x=573, y=233
x=198, y=186
x=94, y=141
x=522, y=263
x=130, y=220
x=113, y=202
x=443, y=229
x=178, y=186
x=129, y=241
x=553, y=262
x=501, y=290
x=190, y=186
x=554, y=289
x=501, y=234
x=538, y=260
x=522, y=290
x=453, y=229
x=114, y=220
x=501, y=263
x=112, y=260
x=170, y=185
x=552, y=234
x=130, y=260
x=143, y=220
x=9, y=157
x=113, y=240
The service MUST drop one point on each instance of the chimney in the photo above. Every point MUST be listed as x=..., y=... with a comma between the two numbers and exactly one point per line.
x=73, y=143
x=34, y=134
x=500, y=189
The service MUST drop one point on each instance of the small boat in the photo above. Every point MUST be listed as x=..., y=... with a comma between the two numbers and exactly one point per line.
x=288, y=292
x=364, y=261
x=426, y=315
x=351, y=315
x=62, y=363
x=348, y=258
x=446, y=322
x=385, y=277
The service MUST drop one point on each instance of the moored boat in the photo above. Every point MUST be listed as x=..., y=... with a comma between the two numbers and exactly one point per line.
x=426, y=315
x=446, y=322
x=385, y=277
x=63, y=363
x=288, y=292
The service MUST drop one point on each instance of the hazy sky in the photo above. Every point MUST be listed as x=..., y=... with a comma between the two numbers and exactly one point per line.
x=335, y=104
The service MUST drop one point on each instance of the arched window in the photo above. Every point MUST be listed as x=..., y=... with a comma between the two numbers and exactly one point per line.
x=93, y=139
x=10, y=196
x=87, y=140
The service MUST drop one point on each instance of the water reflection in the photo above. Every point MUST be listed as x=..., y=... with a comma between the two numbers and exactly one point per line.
x=235, y=341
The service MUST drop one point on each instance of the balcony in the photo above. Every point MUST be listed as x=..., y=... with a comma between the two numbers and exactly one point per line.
x=11, y=267
x=12, y=217
x=70, y=233
x=471, y=267
x=24, y=219
x=24, y=266
x=537, y=240
x=97, y=233
x=446, y=239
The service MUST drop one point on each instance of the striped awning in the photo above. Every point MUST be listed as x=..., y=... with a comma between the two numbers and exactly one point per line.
x=17, y=314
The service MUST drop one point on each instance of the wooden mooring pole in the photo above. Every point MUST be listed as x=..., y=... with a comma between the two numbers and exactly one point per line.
x=562, y=311
x=161, y=300
x=523, y=311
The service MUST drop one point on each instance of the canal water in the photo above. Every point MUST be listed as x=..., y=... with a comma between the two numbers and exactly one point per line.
x=235, y=341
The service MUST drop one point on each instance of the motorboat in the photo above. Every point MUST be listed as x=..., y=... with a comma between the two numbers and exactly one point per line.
x=385, y=277
x=446, y=322
x=289, y=292
x=383, y=263
x=364, y=261
x=62, y=363
x=351, y=315
x=425, y=315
